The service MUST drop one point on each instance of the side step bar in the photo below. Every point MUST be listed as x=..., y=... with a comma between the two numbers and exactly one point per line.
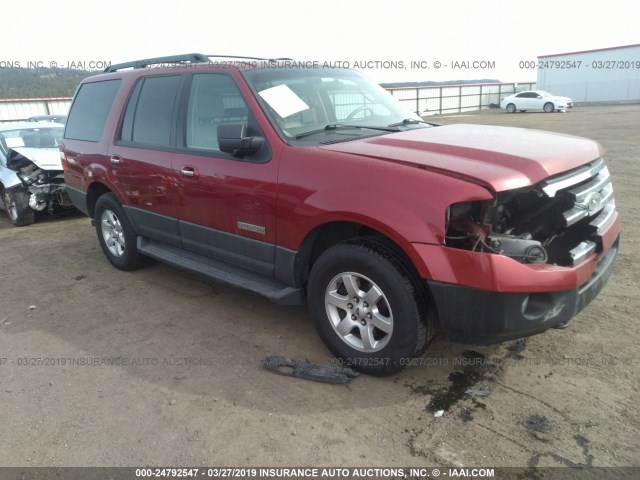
x=221, y=272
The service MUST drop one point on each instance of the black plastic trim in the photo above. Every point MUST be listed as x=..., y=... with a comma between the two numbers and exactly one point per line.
x=79, y=199
x=471, y=315
x=244, y=252
x=153, y=225
x=257, y=256
x=286, y=265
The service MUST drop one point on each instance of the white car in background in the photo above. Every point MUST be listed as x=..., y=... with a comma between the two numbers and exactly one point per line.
x=535, y=100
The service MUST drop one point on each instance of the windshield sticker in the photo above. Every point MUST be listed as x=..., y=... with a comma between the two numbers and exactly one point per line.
x=283, y=100
x=13, y=142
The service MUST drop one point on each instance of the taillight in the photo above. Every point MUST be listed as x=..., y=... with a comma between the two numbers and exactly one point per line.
x=63, y=159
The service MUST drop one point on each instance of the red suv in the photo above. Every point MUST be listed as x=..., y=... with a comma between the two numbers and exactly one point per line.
x=303, y=183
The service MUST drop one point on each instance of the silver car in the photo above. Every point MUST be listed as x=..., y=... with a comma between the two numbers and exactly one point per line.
x=31, y=176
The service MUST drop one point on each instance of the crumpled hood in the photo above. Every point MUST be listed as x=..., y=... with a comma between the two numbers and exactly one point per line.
x=45, y=158
x=501, y=158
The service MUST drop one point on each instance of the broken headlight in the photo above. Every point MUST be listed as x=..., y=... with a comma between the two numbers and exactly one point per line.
x=483, y=227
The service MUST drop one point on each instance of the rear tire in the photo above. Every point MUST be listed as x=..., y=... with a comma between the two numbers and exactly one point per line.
x=548, y=107
x=511, y=108
x=115, y=234
x=16, y=203
x=368, y=308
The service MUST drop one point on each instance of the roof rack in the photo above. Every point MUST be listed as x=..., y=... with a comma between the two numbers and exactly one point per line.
x=247, y=58
x=184, y=58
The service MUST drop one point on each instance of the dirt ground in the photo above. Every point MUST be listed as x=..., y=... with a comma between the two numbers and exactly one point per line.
x=188, y=389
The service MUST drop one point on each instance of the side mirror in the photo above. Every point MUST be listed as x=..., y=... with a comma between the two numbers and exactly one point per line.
x=232, y=139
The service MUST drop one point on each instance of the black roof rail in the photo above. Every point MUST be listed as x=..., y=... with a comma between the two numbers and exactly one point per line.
x=246, y=58
x=184, y=58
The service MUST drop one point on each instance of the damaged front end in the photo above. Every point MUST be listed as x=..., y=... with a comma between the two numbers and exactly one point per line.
x=46, y=187
x=558, y=221
x=42, y=178
x=528, y=260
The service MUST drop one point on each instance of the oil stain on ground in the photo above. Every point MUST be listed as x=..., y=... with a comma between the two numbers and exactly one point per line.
x=475, y=368
x=538, y=423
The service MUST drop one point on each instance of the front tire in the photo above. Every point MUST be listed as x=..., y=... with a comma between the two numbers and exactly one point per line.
x=548, y=107
x=368, y=308
x=16, y=203
x=115, y=234
x=511, y=108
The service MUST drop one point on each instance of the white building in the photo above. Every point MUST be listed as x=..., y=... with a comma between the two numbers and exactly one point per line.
x=603, y=75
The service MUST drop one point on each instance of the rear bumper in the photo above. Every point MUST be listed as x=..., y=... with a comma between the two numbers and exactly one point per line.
x=471, y=315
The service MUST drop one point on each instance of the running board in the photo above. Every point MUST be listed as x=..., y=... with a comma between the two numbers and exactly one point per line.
x=222, y=272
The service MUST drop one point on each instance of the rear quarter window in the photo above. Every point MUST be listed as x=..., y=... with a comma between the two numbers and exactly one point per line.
x=90, y=109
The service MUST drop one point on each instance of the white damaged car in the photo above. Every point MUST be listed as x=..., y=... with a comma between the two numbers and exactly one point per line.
x=31, y=176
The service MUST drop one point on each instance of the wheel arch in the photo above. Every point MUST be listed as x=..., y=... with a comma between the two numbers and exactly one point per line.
x=95, y=191
x=326, y=235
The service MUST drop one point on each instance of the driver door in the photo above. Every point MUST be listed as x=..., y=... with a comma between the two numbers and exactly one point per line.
x=227, y=204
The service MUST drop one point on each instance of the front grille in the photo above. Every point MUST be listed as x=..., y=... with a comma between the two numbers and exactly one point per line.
x=589, y=198
x=588, y=207
x=559, y=221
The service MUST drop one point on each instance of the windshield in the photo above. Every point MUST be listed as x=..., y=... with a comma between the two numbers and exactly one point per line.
x=301, y=103
x=49, y=137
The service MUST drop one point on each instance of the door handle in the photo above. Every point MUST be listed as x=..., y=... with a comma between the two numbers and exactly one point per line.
x=190, y=172
x=116, y=160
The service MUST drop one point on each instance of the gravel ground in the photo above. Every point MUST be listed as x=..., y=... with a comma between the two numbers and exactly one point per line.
x=187, y=387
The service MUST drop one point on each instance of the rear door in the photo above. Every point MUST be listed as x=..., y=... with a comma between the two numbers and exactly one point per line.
x=142, y=156
x=537, y=101
x=523, y=101
x=227, y=205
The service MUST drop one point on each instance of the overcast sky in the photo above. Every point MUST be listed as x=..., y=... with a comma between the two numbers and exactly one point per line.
x=503, y=32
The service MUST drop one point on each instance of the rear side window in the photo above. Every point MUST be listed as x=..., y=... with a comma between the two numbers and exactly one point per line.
x=149, y=112
x=90, y=109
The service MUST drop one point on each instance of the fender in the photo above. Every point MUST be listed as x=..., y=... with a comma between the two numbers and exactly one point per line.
x=406, y=203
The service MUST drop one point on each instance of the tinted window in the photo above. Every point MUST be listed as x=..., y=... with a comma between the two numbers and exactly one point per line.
x=127, y=124
x=213, y=99
x=150, y=111
x=90, y=109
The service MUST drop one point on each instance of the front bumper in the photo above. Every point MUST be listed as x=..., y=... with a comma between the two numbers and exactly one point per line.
x=50, y=197
x=471, y=315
